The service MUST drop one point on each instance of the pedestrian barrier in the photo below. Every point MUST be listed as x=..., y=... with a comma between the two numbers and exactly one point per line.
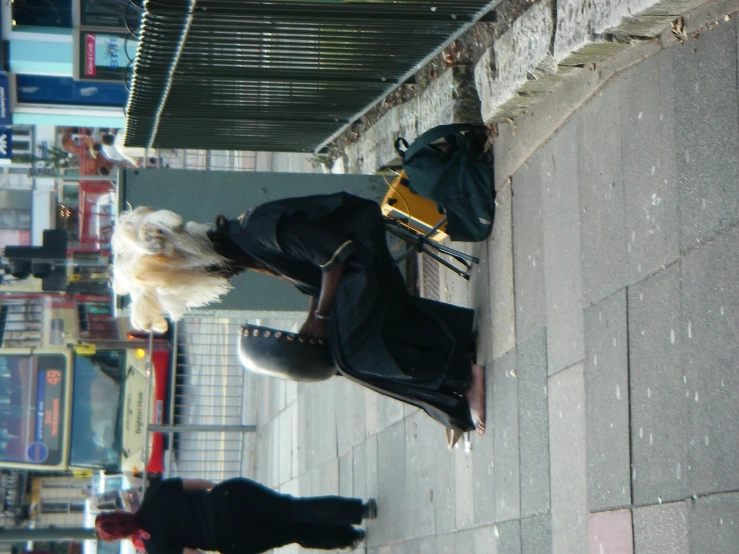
x=212, y=402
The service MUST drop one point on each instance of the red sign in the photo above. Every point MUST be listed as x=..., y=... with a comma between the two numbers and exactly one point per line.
x=90, y=55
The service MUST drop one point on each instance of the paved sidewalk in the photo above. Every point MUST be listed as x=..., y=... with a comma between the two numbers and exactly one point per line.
x=608, y=318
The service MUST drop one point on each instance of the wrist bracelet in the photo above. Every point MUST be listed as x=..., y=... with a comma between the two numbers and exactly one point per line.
x=321, y=317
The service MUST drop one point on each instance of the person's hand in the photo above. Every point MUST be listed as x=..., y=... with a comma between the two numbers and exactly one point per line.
x=306, y=325
x=314, y=327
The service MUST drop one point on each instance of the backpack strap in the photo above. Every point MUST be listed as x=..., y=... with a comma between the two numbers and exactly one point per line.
x=400, y=141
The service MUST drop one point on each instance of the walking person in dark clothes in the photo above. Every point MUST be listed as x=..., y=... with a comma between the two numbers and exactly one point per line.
x=238, y=516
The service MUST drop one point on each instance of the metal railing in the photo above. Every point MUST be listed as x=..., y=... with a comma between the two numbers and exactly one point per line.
x=211, y=160
x=13, y=497
x=21, y=320
x=212, y=402
x=277, y=76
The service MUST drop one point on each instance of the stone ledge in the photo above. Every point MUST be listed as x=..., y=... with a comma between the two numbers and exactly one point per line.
x=519, y=66
x=537, y=53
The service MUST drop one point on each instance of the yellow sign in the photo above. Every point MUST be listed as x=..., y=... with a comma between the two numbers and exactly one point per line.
x=85, y=349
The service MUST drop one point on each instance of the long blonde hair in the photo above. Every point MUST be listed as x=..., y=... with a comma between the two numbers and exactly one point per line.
x=165, y=265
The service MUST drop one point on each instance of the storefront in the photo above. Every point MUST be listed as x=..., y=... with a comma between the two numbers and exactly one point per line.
x=69, y=59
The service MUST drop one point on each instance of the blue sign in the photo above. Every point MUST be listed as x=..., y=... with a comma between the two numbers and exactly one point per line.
x=38, y=452
x=51, y=89
x=6, y=143
x=4, y=99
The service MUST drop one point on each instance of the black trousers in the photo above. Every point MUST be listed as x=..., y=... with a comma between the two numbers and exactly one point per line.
x=259, y=519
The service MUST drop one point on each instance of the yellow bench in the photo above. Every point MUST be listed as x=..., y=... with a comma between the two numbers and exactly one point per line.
x=411, y=210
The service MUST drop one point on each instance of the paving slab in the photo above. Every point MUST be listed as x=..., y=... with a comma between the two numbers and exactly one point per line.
x=422, y=442
x=568, y=461
x=661, y=529
x=425, y=545
x=372, y=477
x=444, y=505
x=484, y=462
x=505, y=428
x=658, y=390
x=528, y=250
x=317, y=414
x=536, y=535
x=713, y=525
x=381, y=412
x=562, y=252
x=360, y=486
x=507, y=537
x=295, y=443
x=464, y=490
x=446, y=543
x=707, y=163
x=351, y=426
x=710, y=322
x=611, y=532
x=346, y=475
x=467, y=540
x=648, y=119
x=607, y=404
x=533, y=425
x=285, y=441
x=390, y=522
x=601, y=195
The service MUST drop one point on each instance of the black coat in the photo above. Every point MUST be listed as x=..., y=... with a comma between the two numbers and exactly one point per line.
x=409, y=348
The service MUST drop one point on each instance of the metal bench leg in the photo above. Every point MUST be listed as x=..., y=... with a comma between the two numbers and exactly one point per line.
x=424, y=244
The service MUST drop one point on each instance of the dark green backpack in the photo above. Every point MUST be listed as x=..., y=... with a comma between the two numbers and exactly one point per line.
x=457, y=175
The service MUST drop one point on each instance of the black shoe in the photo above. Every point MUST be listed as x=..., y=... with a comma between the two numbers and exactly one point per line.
x=369, y=509
x=361, y=535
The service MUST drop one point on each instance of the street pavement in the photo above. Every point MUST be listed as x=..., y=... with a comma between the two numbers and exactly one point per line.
x=608, y=316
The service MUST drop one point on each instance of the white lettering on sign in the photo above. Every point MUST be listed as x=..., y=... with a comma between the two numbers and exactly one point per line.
x=90, y=68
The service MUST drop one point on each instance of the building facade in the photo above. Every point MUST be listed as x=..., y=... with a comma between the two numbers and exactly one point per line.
x=66, y=60
x=59, y=501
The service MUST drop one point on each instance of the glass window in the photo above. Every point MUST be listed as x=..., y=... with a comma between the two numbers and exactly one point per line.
x=59, y=507
x=21, y=146
x=15, y=219
x=47, y=485
x=97, y=418
x=32, y=408
x=70, y=195
x=42, y=13
x=54, y=507
x=112, y=14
